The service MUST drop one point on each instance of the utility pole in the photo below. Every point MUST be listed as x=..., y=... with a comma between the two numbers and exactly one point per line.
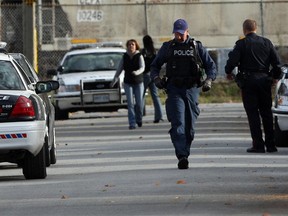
x=146, y=19
x=262, y=18
x=29, y=32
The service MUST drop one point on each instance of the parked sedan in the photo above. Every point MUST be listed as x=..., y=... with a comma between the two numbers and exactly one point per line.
x=49, y=107
x=84, y=75
x=25, y=126
x=280, y=110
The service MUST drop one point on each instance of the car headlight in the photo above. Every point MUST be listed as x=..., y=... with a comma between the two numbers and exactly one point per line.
x=67, y=88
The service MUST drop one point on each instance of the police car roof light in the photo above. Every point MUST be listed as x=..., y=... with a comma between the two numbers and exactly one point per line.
x=111, y=44
x=96, y=45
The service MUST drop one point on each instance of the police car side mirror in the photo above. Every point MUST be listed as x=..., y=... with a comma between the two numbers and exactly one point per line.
x=60, y=68
x=46, y=86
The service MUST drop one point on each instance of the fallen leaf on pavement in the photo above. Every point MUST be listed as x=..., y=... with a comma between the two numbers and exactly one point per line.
x=64, y=197
x=181, y=182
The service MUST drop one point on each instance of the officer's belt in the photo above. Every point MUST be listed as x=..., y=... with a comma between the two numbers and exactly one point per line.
x=255, y=74
x=255, y=71
x=183, y=82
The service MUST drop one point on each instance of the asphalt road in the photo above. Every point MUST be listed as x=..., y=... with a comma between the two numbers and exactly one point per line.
x=105, y=169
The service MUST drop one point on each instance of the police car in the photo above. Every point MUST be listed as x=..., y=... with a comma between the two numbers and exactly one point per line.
x=24, y=122
x=280, y=109
x=84, y=75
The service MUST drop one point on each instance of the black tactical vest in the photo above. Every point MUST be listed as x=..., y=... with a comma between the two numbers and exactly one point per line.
x=129, y=66
x=182, y=60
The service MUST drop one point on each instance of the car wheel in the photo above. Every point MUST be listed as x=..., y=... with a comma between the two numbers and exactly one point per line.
x=281, y=137
x=47, y=153
x=53, y=153
x=61, y=114
x=34, y=167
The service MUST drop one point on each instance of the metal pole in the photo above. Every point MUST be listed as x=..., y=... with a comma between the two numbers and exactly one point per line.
x=39, y=20
x=262, y=19
x=146, y=17
x=28, y=30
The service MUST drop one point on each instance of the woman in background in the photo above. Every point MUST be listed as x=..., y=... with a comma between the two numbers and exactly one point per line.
x=149, y=54
x=133, y=65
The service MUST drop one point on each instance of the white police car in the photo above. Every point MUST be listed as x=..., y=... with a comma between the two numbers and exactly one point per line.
x=85, y=75
x=24, y=122
x=280, y=109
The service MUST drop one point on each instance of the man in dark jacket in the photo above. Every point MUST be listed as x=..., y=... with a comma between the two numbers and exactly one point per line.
x=183, y=56
x=253, y=55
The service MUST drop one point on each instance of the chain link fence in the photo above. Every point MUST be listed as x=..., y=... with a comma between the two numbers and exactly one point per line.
x=218, y=24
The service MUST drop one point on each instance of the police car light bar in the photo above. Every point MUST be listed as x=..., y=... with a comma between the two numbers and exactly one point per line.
x=95, y=45
x=111, y=44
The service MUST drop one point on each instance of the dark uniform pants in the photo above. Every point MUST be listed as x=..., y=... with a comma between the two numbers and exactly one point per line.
x=257, y=100
x=182, y=111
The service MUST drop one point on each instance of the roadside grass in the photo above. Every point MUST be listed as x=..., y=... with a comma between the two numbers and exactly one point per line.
x=222, y=91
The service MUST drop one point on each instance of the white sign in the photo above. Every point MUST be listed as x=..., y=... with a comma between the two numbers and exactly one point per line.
x=89, y=2
x=89, y=16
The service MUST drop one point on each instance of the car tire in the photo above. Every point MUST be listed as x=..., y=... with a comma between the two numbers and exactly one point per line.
x=281, y=137
x=34, y=167
x=47, y=152
x=61, y=114
x=53, y=153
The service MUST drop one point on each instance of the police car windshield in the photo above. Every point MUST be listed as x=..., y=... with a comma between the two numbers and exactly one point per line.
x=91, y=62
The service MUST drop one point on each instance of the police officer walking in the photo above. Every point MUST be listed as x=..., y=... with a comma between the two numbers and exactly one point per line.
x=183, y=56
x=253, y=55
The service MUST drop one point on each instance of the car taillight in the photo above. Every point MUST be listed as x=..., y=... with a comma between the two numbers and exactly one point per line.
x=23, y=109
